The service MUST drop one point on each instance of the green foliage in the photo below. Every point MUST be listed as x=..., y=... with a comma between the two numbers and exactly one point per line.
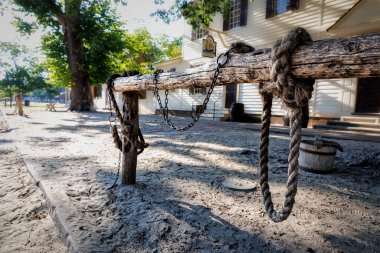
x=107, y=48
x=23, y=79
x=196, y=12
x=56, y=59
x=11, y=53
x=103, y=36
x=13, y=49
x=171, y=48
x=142, y=51
x=23, y=27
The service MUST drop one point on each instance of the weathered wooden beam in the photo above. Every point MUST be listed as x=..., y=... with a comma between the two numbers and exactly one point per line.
x=357, y=56
x=129, y=149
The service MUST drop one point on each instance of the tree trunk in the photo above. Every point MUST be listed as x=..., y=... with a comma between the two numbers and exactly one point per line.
x=10, y=97
x=19, y=109
x=81, y=94
x=129, y=149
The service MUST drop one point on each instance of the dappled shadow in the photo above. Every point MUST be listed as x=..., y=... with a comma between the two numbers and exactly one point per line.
x=179, y=199
x=96, y=122
x=355, y=243
x=5, y=141
x=150, y=216
x=7, y=130
x=36, y=123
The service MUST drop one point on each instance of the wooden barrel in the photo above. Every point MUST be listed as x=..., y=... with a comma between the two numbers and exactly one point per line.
x=237, y=112
x=316, y=159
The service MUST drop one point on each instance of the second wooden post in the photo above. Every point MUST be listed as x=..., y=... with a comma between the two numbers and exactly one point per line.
x=130, y=137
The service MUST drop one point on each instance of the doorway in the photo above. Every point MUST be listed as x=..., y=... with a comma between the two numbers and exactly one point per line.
x=230, y=95
x=368, y=95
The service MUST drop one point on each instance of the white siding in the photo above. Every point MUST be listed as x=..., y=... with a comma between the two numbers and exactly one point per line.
x=331, y=98
x=250, y=97
x=327, y=98
x=314, y=15
x=147, y=106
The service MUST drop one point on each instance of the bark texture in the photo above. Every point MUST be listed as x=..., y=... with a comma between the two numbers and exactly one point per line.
x=81, y=93
x=129, y=148
x=19, y=108
x=357, y=56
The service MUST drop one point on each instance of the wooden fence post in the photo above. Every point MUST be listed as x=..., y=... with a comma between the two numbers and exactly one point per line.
x=129, y=149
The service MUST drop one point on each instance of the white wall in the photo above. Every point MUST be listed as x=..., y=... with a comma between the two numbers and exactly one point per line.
x=332, y=98
x=316, y=16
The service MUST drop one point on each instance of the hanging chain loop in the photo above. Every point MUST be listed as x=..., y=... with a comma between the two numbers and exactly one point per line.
x=220, y=62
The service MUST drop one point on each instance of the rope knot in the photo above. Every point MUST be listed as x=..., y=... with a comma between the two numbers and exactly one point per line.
x=293, y=92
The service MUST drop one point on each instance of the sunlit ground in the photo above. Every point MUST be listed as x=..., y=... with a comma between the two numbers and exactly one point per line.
x=33, y=106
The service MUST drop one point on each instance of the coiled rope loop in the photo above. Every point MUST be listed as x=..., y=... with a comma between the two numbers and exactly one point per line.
x=293, y=93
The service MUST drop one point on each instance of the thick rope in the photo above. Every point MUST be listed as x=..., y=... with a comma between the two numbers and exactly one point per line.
x=294, y=93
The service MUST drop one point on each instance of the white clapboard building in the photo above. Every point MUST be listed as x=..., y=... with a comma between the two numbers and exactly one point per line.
x=260, y=23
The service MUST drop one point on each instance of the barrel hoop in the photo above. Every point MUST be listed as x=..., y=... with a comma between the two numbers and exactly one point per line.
x=318, y=152
x=315, y=171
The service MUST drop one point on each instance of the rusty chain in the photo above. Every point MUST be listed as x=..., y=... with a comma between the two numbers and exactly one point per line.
x=221, y=61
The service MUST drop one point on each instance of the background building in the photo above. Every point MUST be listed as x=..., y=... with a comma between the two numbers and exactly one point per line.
x=260, y=24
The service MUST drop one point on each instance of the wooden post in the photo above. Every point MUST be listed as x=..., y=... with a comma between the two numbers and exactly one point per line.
x=18, y=108
x=129, y=149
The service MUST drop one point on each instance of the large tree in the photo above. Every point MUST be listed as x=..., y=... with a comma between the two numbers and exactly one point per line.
x=82, y=28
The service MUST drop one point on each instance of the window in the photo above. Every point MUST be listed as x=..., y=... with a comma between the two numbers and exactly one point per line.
x=276, y=7
x=198, y=33
x=98, y=91
x=197, y=91
x=281, y=6
x=234, y=18
x=237, y=16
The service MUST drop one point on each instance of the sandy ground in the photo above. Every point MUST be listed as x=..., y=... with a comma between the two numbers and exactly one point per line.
x=180, y=204
x=25, y=225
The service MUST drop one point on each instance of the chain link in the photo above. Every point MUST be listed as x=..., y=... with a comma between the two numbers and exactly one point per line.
x=112, y=120
x=221, y=61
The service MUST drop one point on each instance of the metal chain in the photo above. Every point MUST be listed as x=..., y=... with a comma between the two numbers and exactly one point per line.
x=112, y=120
x=140, y=142
x=221, y=61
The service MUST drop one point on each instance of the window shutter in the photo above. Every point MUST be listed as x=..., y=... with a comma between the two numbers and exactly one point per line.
x=207, y=31
x=226, y=23
x=193, y=34
x=243, y=12
x=269, y=9
x=294, y=5
x=204, y=91
x=191, y=91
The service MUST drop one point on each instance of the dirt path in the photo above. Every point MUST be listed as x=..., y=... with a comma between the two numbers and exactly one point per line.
x=180, y=203
x=25, y=225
